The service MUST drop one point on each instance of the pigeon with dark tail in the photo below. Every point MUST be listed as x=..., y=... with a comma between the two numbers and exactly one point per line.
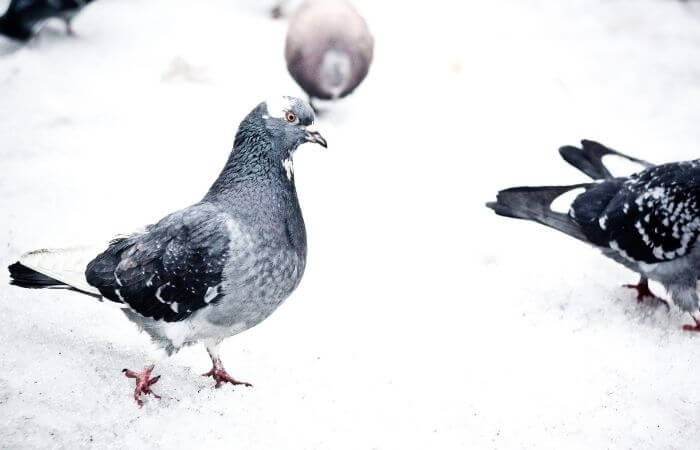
x=589, y=160
x=213, y=269
x=649, y=221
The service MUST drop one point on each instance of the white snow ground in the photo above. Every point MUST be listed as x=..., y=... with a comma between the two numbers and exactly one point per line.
x=423, y=321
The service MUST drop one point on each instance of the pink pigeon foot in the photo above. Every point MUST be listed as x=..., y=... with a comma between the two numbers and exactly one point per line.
x=219, y=374
x=643, y=292
x=695, y=328
x=143, y=383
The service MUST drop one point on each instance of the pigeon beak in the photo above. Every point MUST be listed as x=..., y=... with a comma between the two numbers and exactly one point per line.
x=315, y=138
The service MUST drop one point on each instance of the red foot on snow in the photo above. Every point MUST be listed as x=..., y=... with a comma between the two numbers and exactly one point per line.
x=143, y=383
x=219, y=374
x=643, y=292
x=695, y=328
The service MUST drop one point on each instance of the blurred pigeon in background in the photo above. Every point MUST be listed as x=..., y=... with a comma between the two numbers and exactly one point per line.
x=23, y=17
x=649, y=222
x=213, y=269
x=329, y=48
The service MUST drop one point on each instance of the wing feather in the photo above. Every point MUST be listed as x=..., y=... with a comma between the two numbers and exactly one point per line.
x=169, y=271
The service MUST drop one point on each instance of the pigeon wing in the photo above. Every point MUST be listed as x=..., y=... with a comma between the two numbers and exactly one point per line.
x=651, y=217
x=171, y=270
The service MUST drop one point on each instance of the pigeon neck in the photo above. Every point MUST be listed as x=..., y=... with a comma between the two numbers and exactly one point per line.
x=252, y=162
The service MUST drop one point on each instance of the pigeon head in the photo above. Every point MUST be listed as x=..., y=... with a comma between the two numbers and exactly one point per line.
x=288, y=119
x=266, y=141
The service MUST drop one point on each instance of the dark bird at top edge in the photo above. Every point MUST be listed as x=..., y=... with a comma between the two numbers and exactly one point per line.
x=23, y=17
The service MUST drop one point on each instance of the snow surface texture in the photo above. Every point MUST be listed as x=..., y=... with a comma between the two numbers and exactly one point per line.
x=423, y=320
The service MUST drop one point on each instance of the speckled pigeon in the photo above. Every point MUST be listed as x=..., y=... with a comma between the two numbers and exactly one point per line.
x=213, y=269
x=589, y=160
x=329, y=48
x=22, y=17
x=649, y=221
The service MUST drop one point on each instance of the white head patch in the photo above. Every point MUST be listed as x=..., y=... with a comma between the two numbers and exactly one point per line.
x=278, y=106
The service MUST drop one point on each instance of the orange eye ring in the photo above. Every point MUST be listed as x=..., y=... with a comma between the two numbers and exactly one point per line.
x=291, y=117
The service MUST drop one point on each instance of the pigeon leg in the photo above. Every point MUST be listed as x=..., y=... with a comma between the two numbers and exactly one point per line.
x=643, y=292
x=218, y=372
x=69, y=28
x=143, y=383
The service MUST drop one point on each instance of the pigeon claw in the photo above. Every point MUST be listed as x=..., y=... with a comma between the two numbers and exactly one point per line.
x=219, y=374
x=696, y=327
x=643, y=292
x=143, y=383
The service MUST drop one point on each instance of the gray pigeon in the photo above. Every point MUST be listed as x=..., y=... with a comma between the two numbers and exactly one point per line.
x=329, y=48
x=649, y=222
x=213, y=269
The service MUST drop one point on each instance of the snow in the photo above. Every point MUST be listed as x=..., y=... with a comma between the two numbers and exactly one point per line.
x=423, y=320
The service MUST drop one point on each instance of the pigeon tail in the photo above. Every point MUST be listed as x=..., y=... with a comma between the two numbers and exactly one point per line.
x=54, y=268
x=589, y=159
x=23, y=276
x=534, y=203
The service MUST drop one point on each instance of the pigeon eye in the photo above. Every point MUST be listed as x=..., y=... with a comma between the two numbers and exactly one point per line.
x=291, y=117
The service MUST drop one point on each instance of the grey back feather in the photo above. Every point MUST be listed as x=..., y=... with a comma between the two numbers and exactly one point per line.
x=534, y=203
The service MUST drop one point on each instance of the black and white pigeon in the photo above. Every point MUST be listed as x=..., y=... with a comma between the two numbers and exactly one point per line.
x=23, y=17
x=213, y=269
x=589, y=160
x=649, y=221
x=329, y=48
